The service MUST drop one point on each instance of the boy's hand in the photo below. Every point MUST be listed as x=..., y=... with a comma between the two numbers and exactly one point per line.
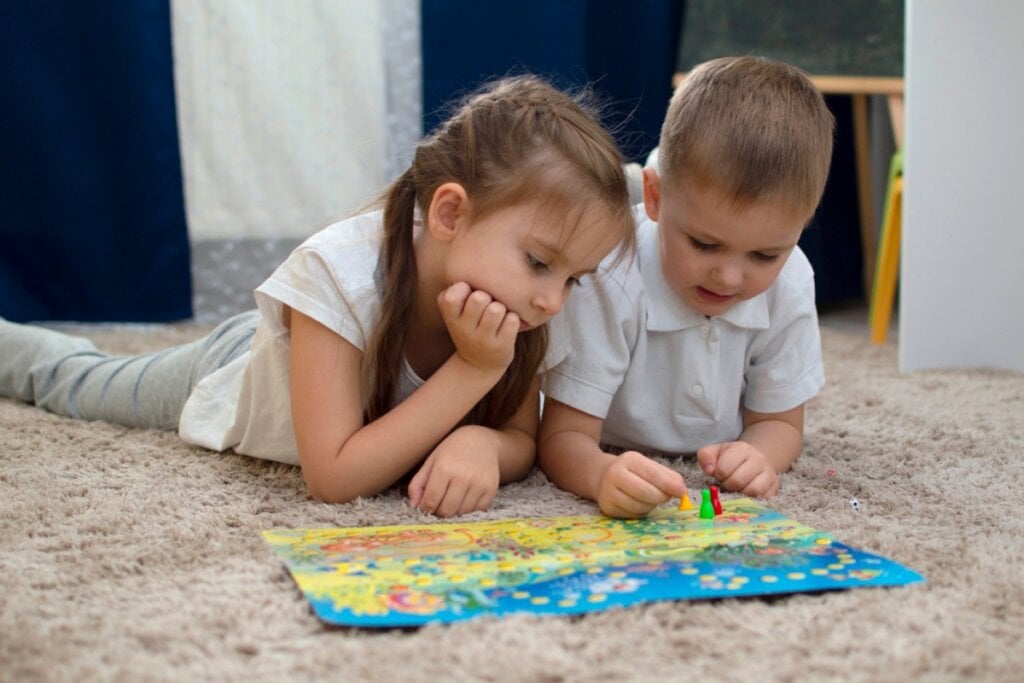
x=634, y=485
x=482, y=329
x=461, y=474
x=740, y=467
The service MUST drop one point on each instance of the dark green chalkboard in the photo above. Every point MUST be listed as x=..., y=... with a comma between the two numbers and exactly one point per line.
x=822, y=37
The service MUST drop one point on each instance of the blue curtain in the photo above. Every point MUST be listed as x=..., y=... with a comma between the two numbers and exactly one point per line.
x=832, y=241
x=627, y=49
x=92, y=218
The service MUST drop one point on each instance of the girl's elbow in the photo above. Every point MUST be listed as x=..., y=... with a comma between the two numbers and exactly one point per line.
x=320, y=488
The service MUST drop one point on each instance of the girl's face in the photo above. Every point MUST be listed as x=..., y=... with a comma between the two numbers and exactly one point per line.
x=529, y=261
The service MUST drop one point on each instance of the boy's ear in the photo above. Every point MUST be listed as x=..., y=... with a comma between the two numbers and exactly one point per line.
x=652, y=193
x=448, y=211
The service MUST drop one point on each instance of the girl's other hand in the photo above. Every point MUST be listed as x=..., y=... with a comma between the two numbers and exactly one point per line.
x=461, y=475
x=482, y=329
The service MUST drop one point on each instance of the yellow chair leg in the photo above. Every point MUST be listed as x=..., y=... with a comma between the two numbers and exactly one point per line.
x=887, y=266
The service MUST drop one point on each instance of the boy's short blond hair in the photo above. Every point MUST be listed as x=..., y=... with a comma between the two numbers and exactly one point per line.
x=751, y=128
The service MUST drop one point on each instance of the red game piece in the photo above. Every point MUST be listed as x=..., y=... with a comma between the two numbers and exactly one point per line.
x=715, y=502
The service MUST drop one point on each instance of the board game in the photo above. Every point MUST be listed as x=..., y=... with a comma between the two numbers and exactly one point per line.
x=417, y=574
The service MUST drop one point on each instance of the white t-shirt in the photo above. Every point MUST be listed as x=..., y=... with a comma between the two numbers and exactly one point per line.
x=666, y=379
x=331, y=277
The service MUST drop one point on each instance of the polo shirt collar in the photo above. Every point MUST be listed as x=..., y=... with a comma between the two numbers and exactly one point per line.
x=666, y=310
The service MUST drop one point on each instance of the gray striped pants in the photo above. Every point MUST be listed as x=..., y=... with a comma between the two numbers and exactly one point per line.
x=67, y=375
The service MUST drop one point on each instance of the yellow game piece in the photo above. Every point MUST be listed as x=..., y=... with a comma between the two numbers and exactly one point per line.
x=684, y=502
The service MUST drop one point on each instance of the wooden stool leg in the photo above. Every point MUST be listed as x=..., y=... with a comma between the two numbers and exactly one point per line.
x=862, y=157
x=887, y=267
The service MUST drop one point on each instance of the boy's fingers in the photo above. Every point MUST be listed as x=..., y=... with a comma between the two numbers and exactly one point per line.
x=707, y=458
x=638, y=490
x=626, y=509
x=740, y=477
x=759, y=486
x=662, y=477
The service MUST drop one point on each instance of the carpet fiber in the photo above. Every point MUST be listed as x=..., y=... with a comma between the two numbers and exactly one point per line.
x=126, y=555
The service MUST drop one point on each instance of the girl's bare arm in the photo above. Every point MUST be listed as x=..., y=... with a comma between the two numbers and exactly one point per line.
x=341, y=457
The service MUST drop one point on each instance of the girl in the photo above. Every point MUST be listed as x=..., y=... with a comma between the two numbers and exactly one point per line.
x=404, y=340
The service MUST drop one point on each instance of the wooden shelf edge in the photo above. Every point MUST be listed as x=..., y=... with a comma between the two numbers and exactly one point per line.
x=842, y=85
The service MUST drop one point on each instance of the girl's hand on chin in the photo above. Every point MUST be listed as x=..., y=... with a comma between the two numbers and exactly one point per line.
x=482, y=329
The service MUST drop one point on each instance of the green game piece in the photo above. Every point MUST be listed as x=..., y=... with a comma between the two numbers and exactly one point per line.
x=707, y=510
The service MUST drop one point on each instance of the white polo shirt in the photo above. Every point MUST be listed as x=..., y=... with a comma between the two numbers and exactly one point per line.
x=666, y=379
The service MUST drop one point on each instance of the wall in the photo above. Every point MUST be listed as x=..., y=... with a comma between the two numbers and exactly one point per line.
x=962, y=274
x=840, y=37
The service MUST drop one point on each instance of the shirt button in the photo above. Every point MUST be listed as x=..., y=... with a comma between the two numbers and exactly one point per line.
x=697, y=390
x=705, y=328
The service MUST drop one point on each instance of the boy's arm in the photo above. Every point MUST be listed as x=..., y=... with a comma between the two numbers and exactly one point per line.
x=779, y=436
x=568, y=449
x=769, y=445
x=629, y=485
x=518, y=438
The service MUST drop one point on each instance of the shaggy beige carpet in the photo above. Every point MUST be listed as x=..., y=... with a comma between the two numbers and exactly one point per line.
x=125, y=555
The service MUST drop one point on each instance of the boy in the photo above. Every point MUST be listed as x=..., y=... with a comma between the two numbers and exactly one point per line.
x=708, y=340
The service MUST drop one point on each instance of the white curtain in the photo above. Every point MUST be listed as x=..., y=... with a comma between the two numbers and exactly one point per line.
x=291, y=115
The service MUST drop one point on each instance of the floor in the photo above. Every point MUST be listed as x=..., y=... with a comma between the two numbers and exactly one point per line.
x=853, y=317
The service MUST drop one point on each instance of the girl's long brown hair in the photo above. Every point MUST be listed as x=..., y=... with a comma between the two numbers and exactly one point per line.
x=517, y=139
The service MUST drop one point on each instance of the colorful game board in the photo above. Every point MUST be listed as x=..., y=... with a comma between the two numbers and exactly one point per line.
x=412, y=575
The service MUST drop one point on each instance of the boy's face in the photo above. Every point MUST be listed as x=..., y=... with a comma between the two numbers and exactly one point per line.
x=713, y=254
